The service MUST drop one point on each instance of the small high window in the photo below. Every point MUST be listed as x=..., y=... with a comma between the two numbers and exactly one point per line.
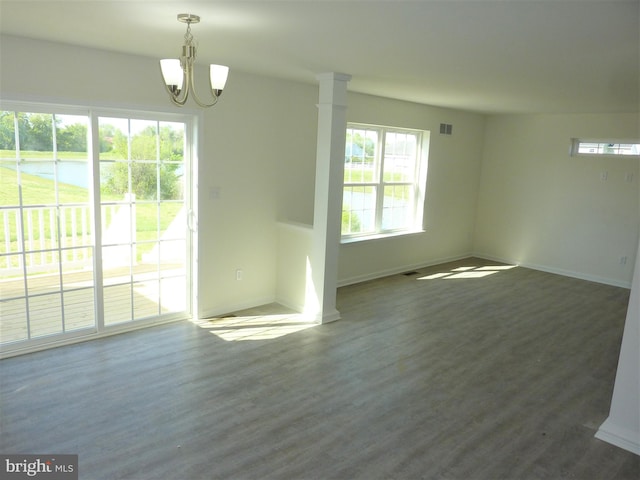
x=604, y=147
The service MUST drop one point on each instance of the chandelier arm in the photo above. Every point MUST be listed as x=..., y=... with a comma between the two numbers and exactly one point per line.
x=189, y=52
x=177, y=101
x=197, y=99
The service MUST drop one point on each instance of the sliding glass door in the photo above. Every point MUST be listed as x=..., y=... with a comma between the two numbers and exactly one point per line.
x=93, y=234
x=143, y=216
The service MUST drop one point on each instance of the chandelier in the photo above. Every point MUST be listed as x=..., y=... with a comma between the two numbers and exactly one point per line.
x=177, y=73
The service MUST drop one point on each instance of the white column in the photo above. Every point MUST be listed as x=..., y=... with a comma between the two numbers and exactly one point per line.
x=322, y=274
x=622, y=427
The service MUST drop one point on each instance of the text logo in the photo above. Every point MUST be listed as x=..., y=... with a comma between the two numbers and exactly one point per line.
x=45, y=467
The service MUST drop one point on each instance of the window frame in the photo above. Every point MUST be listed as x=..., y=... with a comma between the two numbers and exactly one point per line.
x=574, y=150
x=418, y=184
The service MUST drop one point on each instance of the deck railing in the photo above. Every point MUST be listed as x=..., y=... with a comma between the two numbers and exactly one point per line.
x=48, y=236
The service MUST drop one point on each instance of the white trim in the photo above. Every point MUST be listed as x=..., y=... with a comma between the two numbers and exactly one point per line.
x=96, y=214
x=346, y=240
x=290, y=305
x=619, y=436
x=213, y=313
x=328, y=317
x=542, y=268
x=195, y=146
x=396, y=270
x=80, y=336
x=70, y=103
x=559, y=271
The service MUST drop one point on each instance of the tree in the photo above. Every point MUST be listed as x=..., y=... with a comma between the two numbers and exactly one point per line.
x=106, y=134
x=35, y=131
x=72, y=138
x=171, y=143
x=7, y=131
x=350, y=221
x=365, y=146
x=150, y=148
x=39, y=136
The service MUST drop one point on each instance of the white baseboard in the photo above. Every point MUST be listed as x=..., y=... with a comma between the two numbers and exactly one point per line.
x=290, y=305
x=227, y=309
x=47, y=343
x=395, y=270
x=328, y=317
x=559, y=271
x=619, y=436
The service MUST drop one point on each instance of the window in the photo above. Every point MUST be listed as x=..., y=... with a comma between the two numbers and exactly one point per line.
x=604, y=147
x=384, y=181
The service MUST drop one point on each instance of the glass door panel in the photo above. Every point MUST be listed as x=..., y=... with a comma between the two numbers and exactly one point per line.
x=14, y=327
x=142, y=184
x=117, y=303
x=46, y=235
x=45, y=315
x=146, y=299
x=79, y=308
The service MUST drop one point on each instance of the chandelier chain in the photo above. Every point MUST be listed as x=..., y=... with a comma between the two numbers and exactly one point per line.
x=188, y=36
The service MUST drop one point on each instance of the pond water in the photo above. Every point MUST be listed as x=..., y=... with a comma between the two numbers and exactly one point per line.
x=72, y=173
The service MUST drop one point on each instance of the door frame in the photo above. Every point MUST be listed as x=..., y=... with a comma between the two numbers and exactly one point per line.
x=191, y=121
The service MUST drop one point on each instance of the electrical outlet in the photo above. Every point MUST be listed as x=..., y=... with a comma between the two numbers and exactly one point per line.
x=604, y=176
x=623, y=260
x=239, y=274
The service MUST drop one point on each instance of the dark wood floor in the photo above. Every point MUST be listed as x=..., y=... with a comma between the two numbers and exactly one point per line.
x=471, y=374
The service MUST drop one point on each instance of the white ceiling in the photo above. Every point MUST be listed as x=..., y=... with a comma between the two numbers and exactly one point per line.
x=487, y=56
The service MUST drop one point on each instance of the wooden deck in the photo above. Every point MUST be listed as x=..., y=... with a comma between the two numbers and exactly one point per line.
x=58, y=306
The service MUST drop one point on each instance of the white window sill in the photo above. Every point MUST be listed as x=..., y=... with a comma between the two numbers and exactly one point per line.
x=379, y=236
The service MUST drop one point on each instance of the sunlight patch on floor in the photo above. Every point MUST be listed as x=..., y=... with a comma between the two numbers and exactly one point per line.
x=462, y=269
x=434, y=276
x=497, y=267
x=474, y=274
x=468, y=272
x=259, y=327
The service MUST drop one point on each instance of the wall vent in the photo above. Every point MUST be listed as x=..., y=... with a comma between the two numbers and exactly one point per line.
x=446, y=129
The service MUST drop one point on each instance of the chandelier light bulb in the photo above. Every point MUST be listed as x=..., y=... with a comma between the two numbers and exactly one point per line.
x=218, y=75
x=172, y=74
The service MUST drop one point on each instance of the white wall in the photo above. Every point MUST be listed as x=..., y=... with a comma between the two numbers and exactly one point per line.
x=294, y=287
x=452, y=189
x=52, y=72
x=542, y=208
x=260, y=137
